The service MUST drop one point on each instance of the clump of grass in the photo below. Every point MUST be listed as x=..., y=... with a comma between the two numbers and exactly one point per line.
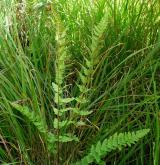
x=73, y=76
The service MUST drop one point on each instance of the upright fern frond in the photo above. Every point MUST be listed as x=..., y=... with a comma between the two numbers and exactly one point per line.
x=60, y=64
x=117, y=141
x=97, y=39
x=87, y=70
x=60, y=54
x=61, y=101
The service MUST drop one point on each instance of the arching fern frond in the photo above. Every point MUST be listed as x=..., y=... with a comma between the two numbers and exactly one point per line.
x=117, y=141
x=32, y=116
x=39, y=124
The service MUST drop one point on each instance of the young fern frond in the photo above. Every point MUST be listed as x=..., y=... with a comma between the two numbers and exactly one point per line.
x=117, y=141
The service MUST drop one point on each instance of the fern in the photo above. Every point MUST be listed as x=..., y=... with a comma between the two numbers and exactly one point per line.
x=39, y=124
x=32, y=116
x=61, y=102
x=86, y=75
x=97, y=39
x=117, y=141
x=50, y=138
x=60, y=65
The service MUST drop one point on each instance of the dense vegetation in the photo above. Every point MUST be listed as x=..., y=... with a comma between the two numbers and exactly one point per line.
x=79, y=82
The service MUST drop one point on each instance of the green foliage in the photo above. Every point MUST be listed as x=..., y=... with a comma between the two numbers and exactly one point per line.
x=34, y=118
x=91, y=62
x=61, y=102
x=39, y=124
x=72, y=73
x=117, y=141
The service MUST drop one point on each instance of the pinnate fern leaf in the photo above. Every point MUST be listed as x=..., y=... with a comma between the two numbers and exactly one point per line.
x=38, y=123
x=87, y=70
x=117, y=141
x=32, y=116
x=98, y=32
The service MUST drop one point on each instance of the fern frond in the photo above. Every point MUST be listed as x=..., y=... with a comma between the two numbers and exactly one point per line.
x=60, y=63
x=117, y=141
x=33, y=117
x=97, y=39
x=62, y=103
x=38, y=123
x=91, y=62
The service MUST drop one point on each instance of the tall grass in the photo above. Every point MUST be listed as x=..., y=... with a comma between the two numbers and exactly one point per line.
x=75, y=72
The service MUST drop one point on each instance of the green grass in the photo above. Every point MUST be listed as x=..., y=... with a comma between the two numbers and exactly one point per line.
x=103, y=56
